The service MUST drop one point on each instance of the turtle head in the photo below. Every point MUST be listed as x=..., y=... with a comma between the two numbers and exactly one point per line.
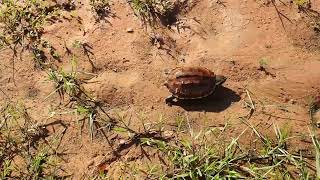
x=220, y=80
x=166, y=72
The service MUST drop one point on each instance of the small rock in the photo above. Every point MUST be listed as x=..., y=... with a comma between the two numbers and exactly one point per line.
x=130, y=30
x=122, y=141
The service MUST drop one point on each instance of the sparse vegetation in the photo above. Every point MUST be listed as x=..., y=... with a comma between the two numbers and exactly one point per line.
x=193, y=156
x=101, y=8
x=26, y=149
x=302, y=3
x=66, y=82
x=152, y=12
x=21, y=27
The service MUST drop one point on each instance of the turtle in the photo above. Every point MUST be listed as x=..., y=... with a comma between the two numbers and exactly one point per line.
x=191, y=83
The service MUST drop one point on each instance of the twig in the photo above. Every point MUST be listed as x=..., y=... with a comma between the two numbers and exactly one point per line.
x=252, y=107
x=5, y=94
x=280, y=15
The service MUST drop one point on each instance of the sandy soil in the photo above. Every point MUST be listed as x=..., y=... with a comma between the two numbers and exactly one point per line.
x=128, y=70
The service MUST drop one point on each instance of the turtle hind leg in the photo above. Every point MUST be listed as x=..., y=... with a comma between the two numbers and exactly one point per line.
x=220, y=80
x=169, y=100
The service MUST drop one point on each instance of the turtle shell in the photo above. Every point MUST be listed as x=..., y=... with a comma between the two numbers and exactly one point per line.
x=191, y=82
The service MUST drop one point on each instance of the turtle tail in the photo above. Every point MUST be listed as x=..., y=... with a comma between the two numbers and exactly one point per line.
x=220, y=80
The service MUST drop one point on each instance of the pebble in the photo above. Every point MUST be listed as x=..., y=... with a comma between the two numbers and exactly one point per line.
x=130, y=30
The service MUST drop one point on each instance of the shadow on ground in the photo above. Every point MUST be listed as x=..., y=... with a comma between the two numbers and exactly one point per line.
x=220, y=100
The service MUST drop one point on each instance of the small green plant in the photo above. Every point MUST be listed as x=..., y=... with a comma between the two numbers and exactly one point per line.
x=263, y=63
x=302, y=3
x=96, y=118
x=152, y=12
x=66, y=82
x=101, y=8
x=314, y=106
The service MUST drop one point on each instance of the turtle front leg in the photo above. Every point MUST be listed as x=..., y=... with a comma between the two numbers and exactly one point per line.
x=169, y=100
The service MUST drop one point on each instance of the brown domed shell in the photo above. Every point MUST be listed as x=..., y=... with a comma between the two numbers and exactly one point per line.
x=191, y=82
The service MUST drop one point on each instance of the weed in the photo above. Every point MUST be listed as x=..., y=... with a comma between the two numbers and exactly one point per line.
x=316, y=144
x=314, y=106
x=302, y=3
x=153, y=11
x=96, y=117
x=22, y=26
x=23, y=139
x=196, y=159
x=263, y=63
x=263, y=66
x=101, y=8
x=66, y=82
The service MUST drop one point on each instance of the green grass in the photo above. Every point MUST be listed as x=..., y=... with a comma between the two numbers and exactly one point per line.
x=188, y=154
x=201, y=155
x=26, y=149
x=93, y=113
x=69, y=87
x=66, y=82
x=21, y=28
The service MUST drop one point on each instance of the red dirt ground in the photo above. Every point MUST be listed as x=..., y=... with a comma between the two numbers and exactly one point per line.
x=229, y=38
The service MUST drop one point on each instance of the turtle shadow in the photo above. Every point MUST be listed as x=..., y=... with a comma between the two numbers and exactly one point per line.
x=220, y=100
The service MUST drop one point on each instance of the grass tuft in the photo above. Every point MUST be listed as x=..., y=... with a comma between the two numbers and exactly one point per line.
x=152, y=12
x=101, y=9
